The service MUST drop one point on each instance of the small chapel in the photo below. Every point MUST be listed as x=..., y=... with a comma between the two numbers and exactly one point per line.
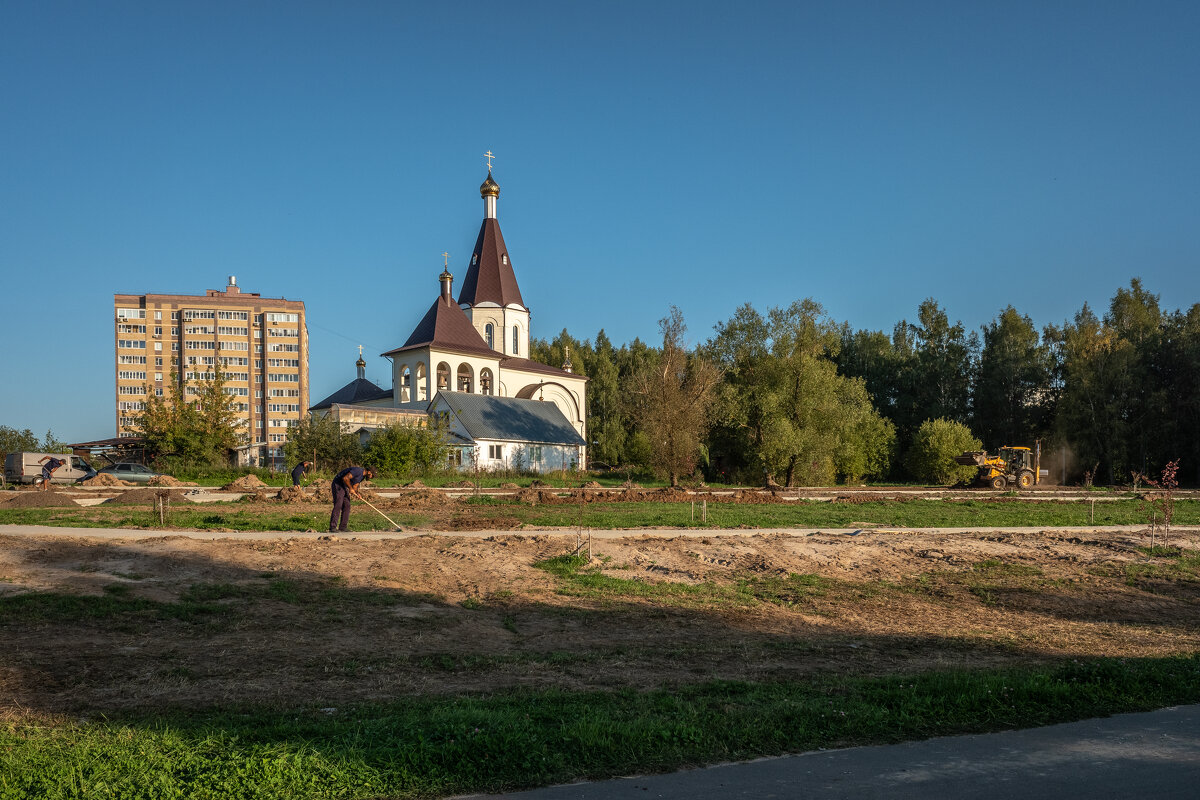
x=467, y=361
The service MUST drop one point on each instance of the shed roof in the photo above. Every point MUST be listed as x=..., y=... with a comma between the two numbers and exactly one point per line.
x=510, y=419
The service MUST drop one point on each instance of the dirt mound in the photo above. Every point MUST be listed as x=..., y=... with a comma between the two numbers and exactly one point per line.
x=107, y=479
x=167, y=480
x=40, y=500
x=509, y=486
x=246, y=483
x=145, y=496
x=753, y=497
x=869, y=497
x=539, y=497
x=590, y=485
x=295, y=494
x=460, y=485
x=424, y=498
x=415, y=485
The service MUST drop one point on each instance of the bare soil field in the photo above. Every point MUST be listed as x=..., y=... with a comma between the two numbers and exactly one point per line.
x=90, y=626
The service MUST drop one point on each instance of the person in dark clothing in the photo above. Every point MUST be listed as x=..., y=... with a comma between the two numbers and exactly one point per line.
x=49, y=465
x=345, y=486
x=299, y=471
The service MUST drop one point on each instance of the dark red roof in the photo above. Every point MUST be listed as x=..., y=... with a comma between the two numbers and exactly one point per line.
x=446, y=326
x=489, y=279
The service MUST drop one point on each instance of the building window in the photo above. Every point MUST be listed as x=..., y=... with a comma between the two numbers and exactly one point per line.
x=504, y=259
x=495, y=452
x=516, y=341
x=489, y=333
x=485, y=381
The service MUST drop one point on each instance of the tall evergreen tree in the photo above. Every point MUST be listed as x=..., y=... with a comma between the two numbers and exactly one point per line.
x=1013, y=397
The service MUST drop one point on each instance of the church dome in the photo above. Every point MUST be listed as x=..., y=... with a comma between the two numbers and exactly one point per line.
x=489, y=188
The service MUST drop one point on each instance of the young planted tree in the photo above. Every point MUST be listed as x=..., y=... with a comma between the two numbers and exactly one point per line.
x=671, y=401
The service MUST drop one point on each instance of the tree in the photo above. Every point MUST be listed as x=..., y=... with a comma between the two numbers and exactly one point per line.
x=1013, y=400
x=15, y=441
x=671, y=401
x=931, y=456
x=783, y=409
x=401, y=450
x=198, y=423
x=606, y=424
x=939, y=383
x=319, y=437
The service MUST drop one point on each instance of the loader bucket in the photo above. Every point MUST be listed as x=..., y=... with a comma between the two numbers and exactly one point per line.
x=974, y=458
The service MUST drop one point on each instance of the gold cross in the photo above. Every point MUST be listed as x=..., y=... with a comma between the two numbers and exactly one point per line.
x=446, y=260
x=360, y=351
x=488, y=155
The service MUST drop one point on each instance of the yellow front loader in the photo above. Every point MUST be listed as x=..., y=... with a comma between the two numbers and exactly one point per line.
x=1011, y=466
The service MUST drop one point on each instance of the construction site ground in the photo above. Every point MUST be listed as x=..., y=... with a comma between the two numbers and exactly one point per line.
x=104, y=621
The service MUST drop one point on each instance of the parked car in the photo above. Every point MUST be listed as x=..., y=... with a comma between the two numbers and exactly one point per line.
x=128, y=471
x=27, y=468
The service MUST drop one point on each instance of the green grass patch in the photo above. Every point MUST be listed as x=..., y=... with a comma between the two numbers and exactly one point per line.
x=632, y=515
x=578, y=580
x=437, y=746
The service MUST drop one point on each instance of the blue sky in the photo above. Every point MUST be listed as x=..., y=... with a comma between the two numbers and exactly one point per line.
x=866, y=154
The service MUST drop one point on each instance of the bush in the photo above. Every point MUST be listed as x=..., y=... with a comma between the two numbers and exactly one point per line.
x=401, y=450
x=931, y=457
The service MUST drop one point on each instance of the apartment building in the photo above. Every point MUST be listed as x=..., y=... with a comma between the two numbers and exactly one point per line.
x=261, y=344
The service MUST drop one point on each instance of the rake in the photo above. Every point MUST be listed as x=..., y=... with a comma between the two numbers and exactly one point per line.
x=385, y=516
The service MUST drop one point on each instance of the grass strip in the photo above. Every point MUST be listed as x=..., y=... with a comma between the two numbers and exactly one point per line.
x=427, y=747
x=484, y=512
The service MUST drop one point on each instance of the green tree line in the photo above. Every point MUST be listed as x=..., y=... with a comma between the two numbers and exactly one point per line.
x=798, y=398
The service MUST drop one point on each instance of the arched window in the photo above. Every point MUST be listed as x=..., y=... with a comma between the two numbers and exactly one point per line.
x=466, y=378
x=485, y=381
x=489, y=334
x=405, y=384
x=443, y=376
x=516, y=341
x=422, y=389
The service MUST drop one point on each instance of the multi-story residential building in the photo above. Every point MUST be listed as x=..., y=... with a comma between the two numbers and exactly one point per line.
x=261, y=344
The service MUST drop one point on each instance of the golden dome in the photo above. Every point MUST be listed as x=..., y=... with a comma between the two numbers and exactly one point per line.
x=489, y=188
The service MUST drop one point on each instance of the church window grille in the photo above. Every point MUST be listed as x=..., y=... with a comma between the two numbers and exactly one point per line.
x=516, y=341
x=489, y=333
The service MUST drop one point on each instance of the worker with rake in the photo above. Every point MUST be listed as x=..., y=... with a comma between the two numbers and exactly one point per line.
x=345, y=486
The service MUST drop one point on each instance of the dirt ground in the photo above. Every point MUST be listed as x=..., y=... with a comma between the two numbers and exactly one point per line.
x=182, y=622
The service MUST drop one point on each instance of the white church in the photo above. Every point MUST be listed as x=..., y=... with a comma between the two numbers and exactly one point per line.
x=467, y=360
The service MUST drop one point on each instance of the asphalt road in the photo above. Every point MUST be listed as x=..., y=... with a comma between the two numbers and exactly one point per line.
x=1153, y=755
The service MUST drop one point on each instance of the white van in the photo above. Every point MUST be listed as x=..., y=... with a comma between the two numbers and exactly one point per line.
x=27, y=468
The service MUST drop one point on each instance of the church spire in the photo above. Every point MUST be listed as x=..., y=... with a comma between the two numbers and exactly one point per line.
x=361, y=365
x=489, y=190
